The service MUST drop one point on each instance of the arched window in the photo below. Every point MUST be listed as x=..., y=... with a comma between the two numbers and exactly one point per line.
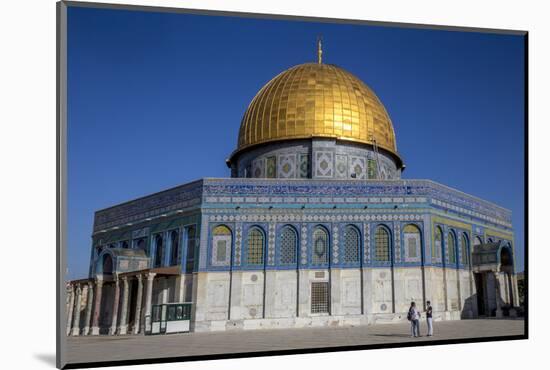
x=320, y=246
x=436, y=248
x=255, y=254
x=464, y=257
x=174, y=248
x=351, y=244
x=411, y=236
x=140, y=243
x=107, y=267
x=159, y=250
x=452, y=247
x=477, y=241
x=381, y=245
x=506, y=260
x=221, y=245
x=191, y=236
x=289, y=243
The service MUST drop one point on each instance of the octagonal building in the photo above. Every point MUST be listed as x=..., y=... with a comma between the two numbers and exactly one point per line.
x=315, y=227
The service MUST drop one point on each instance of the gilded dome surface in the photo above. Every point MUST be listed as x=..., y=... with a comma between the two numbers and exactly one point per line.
x=316, y=100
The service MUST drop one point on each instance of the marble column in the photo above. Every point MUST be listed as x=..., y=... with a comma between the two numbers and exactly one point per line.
x=123, y=328
x=148, y=299
x=70, y=309
x=89, y=306
x=116, y=301
x=76, y=316
x=137, y=320
x=510, y=289
x=97, y=307
x=513, y=298
x=498, y=312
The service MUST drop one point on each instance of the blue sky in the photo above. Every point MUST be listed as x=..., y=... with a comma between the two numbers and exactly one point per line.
x=155, y=100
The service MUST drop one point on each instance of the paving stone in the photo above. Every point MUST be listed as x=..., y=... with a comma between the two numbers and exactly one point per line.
x=112, y=348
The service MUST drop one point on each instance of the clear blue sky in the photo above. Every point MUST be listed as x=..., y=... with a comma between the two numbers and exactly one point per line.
x=155, y=100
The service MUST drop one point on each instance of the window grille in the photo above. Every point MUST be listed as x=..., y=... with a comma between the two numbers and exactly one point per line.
x=319, y=297
x=271, y=171
x=221, y=250
x=351, y=245
x=255, y=247
x=452, y=248
x=159, y=250
x=190, y=248
x=288, y=245
x=371, y=169
x=175, y=248
x=382, y=245
x=464, y=250
x=437, y=243
x=320, y=246
x=412, y=240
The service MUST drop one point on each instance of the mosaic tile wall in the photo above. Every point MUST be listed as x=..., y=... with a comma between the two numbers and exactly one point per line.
x=323, y=159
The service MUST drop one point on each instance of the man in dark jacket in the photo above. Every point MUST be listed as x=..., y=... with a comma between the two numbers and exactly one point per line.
x=429, y=319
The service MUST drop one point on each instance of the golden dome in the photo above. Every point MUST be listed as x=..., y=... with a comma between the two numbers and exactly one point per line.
x=316, y=100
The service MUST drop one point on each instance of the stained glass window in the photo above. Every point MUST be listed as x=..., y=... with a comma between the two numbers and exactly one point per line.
x=288, y=245
x=271, y=170
x=221, y=245
x=221, y=250
x=174, y=248
x=159, y=250
x=255, y=247
x=190, y=248
x=452, y=248
x=464, y=250
x=320, y=246
x=319, y=297
x=382, y=244
x=304, y=166
x=436, y=248
x=411, y=235
x=351, y=245
x=372, y=169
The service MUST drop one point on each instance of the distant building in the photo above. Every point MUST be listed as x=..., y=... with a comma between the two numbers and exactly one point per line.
x=315, y=227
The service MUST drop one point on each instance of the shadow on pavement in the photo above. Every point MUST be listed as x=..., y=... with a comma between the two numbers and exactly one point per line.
x=47, y=358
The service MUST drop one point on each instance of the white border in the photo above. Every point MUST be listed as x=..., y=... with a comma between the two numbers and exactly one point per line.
x=27, y=149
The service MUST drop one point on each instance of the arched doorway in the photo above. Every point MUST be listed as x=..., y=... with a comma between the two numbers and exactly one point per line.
x=507, y=267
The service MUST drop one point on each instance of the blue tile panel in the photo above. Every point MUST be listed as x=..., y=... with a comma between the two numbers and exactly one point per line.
x=303, y=205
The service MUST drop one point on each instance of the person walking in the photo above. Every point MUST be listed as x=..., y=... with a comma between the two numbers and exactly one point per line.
x=429, y=319
x=414, y=316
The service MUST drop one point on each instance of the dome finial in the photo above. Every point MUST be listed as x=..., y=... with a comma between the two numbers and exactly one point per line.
x=319, y=49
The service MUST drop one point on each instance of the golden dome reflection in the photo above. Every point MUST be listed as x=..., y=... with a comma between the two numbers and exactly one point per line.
x=316, y=100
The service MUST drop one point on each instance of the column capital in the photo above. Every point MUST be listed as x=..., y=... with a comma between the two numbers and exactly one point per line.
x=91, y=284
x=151, y=275
x=139, y=277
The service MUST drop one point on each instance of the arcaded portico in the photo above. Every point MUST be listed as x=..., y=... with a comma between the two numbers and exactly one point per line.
x=315, y=227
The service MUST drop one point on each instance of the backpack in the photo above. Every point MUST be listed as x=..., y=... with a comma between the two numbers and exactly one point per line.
x=409, y=315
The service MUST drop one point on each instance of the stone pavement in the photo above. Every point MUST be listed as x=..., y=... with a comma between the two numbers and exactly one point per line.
x=104, y=348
